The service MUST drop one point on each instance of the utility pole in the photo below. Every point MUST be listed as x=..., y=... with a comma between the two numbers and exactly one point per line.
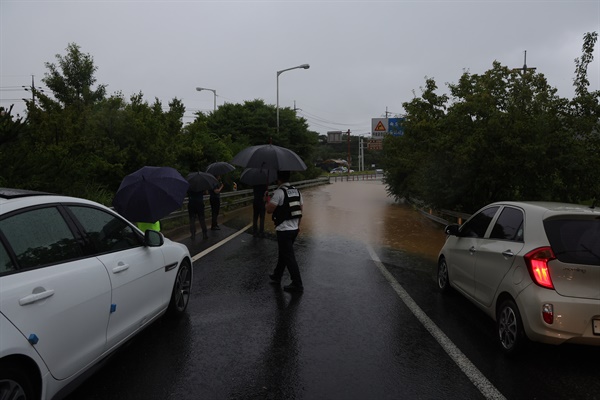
x=525, y=68
x=348, y=134
x=361, y=154
x=32, y=91
x=32, y=88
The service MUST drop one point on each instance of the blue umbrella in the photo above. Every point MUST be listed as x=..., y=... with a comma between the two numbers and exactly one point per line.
x=150, y=193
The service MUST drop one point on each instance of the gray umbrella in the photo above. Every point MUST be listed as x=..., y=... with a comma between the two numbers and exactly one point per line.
x=219, y=168
x=201, y=181
x=269, y=156
x=258, y=176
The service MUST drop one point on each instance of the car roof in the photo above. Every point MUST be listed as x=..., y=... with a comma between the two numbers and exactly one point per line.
x=552, y=207
x=10, y=193
x=14, y=199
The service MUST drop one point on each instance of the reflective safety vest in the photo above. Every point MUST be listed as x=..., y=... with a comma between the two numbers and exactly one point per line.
x=144, y=226
x=290, y=208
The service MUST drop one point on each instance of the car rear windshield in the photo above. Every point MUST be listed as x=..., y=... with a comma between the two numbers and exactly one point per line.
x=575, y=241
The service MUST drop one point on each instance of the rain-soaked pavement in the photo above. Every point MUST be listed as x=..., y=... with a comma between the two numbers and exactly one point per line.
x=353, y=334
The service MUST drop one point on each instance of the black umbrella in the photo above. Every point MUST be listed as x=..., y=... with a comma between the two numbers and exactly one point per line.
x=201, y=181
x=219, y=168
x=258, y=176
x=150, y=193
x=269, y=156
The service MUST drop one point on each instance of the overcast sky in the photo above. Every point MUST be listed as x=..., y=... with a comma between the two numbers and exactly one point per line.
x=366, y=57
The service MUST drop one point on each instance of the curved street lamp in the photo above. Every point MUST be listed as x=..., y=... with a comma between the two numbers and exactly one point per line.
x=304, y=66
x=214, y=92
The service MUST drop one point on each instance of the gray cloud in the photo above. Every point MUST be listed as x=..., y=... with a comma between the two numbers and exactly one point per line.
x=365, y=56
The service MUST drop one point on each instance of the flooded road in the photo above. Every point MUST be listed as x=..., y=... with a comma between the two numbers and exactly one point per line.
x=362, y=211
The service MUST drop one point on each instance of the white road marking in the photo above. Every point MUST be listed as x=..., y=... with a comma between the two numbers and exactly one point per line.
x=475, y=376
x=221, y=243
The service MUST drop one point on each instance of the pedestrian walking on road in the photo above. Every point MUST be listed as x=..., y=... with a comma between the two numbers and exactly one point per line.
x=196, y=209
x=259, y=209
x=286, y=208
x=215, y=203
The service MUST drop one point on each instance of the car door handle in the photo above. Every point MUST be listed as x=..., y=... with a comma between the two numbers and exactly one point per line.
x=120, y=268
x=472, y=250
x=508, y=253
x=32, y=298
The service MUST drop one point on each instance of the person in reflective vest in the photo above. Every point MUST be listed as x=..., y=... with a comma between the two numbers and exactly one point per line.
x=286, y=208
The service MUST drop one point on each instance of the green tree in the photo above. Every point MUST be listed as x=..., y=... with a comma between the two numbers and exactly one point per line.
x=499, y=135
x=72, y=78
x=254, y=123
x=584, y=123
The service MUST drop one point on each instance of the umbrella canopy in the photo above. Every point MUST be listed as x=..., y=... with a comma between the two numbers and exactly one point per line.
x=269, y=156
x=150, y=193
x=219, y=168
x=258, y=176
x=201, y=181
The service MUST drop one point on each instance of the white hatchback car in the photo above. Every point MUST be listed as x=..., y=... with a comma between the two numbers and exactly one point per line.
x=533, y=267
x=77, y=281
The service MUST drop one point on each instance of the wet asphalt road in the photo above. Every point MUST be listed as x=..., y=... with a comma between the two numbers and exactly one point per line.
x=350, y=335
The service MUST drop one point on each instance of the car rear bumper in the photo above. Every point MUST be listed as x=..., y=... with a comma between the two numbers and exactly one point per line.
x=573, y=317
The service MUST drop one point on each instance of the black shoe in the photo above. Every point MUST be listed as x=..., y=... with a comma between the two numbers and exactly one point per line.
x=274, y=278
x=215, y=228
x=293, y=288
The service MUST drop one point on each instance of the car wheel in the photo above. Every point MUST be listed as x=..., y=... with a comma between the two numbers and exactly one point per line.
x=181, y=290
x=14, y=383
x=443, y=279
x=510, y=328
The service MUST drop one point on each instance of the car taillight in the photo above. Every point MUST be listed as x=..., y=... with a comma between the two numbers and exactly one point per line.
x=548, y=313
x=537, y=265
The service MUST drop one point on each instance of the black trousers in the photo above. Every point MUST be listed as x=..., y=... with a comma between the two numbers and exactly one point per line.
x=287, y=257
x=196, y=210
x=259, y=214
x=215, y=206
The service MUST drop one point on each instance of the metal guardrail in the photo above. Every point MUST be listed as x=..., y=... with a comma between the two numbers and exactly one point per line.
x=354, y=177
x=236, y=198
x=438, y=216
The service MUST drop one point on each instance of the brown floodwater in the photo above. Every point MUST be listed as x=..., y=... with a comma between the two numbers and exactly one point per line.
x=363, y=211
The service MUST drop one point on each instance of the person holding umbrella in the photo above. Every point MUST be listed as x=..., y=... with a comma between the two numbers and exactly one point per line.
x=286, y=208
x=196, y=209
x=215, y=203
x=199, y=184
x=259, y=209
x=259, y=179
x=217, y=169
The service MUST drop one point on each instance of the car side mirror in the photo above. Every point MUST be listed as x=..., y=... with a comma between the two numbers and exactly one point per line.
x=452, y=230
x=153, y=238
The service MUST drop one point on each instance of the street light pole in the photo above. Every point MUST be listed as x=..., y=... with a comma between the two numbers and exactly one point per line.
x=304, y=66
x=215, y=94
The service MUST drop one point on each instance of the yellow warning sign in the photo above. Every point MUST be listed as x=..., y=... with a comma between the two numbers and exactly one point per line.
x=380, y=127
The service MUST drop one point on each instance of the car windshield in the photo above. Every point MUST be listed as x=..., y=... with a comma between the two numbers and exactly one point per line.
x=575, y=241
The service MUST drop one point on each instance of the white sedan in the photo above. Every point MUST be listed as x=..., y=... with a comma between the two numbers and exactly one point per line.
x=533, y=267
x=78, y=281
